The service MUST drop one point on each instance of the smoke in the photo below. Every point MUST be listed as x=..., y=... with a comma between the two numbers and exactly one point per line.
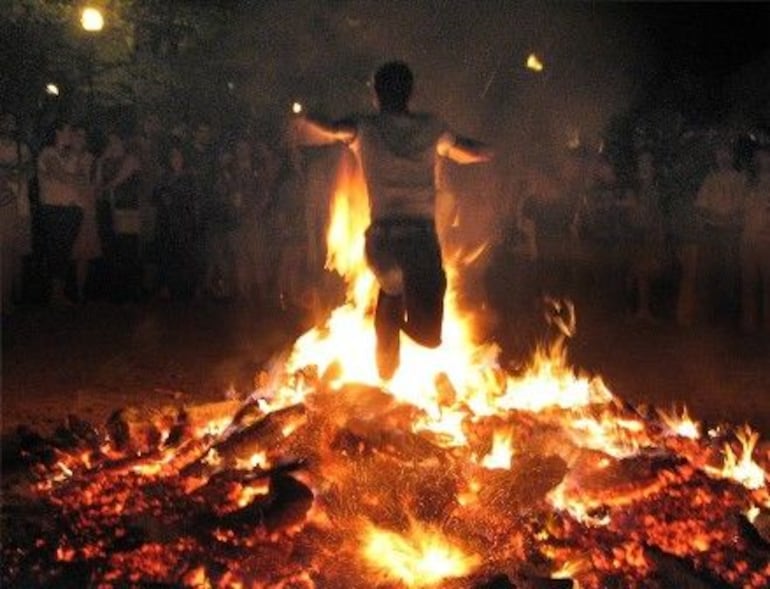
x=469, y=61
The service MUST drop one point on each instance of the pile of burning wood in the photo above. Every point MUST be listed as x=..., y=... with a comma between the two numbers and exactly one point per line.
x=341, y=490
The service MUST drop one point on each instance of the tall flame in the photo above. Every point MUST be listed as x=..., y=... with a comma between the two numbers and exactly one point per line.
x=475, y=378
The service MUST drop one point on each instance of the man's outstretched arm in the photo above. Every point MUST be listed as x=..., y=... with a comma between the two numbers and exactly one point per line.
x=464, y=150
x=313, y=132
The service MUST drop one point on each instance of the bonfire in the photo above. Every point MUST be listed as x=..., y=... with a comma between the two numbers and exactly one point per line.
x=458, y=472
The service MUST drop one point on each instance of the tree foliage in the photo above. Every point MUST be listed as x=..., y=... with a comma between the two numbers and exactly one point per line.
x=144, y=55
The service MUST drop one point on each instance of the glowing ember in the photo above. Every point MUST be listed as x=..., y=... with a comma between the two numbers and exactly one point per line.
x=423, y=557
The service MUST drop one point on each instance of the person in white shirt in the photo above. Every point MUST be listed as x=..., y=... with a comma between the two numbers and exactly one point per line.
x=60, y=210
x=398, y=151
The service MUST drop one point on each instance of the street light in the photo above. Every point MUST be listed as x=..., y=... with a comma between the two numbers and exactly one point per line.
x=91, y=19
x=534, y=63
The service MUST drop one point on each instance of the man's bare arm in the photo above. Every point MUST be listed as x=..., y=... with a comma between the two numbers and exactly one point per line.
x=312, y=132
x=464, y=150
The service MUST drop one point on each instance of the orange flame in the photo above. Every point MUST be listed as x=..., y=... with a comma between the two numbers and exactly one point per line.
x=422, y=557
x=742, y=469
x=479, y=385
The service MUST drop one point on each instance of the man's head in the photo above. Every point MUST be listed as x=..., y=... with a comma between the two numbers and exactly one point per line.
x=393, y=83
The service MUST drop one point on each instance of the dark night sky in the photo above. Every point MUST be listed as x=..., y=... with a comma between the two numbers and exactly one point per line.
x=708, y=38
x=609, y=53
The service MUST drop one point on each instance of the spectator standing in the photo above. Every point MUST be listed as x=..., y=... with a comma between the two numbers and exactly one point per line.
x=601, y=223
x=16, y=169
x=149, y=151
x=268, y=163
x=290, y=227
x=177, y=198
x=719, y=205
x=551, y=206
x=245, y=190
x=87, y=246
x=646, y=236
x=755, y=249
x=119, y=177
x=60, y=213
x=204, y=165
x=680, y=178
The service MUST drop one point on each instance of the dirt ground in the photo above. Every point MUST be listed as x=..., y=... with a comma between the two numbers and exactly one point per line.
x=93, y=359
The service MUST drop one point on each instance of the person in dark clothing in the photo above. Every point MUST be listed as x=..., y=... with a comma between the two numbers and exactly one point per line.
x=398, y=150
x=119, y=179
x=177, y=199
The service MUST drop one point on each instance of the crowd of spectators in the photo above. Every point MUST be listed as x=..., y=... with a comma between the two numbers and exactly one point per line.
x=683, y=236
x=192, y=210
x=154, y=213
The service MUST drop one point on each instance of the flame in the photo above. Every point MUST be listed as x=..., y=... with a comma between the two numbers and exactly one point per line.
x=478, y=384
x=742, y=469
x=681, y=425
x=243, y=495
x=501, y=454
x=422, y=557
x=612, y=435
x=256, y=460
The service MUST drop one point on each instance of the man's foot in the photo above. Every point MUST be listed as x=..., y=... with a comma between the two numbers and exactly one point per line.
x=388, y=356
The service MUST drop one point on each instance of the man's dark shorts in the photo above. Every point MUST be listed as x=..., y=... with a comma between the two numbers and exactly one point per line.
x=412, y=247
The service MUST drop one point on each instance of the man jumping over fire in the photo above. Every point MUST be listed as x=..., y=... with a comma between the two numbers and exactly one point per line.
x=397, y=150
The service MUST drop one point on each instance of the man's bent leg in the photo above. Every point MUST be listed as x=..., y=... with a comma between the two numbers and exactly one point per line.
x=424, y=288
x=388, y=319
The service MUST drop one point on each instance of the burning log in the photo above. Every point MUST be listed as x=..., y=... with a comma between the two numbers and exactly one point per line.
x=240, y=447
x=141, y=431
x=756, y=532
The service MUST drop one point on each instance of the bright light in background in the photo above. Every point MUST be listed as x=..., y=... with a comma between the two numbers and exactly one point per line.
x=534, y=63
x=91, y=19
x=52, y=89
x=296, y=108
